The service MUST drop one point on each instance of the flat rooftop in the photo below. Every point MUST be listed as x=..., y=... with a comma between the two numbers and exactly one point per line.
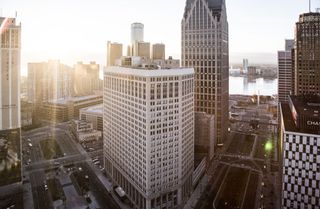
x=149, y=72
x=64, y=101
x=307, y=117
x=306, y=105
x=97, y=110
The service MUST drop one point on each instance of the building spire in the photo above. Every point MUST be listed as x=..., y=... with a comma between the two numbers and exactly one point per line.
x=309, y=6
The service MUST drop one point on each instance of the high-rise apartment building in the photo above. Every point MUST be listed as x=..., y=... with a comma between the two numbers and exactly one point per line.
x=114, y=52
x=300, y=149
x=307, y=55
x=86, y=79
x=205, y=47
x=10, y=116
x=158, y=51
x=285, y=78
x=137, y=32
x=149, y=134
x=141, y=49
x=49, y=81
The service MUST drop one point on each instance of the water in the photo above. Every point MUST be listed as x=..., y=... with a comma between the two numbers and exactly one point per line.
x=245, y=86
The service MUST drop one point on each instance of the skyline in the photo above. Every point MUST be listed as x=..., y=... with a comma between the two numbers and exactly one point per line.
x=59, y=36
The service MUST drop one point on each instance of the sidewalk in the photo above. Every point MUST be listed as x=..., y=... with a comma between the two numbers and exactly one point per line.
x=197, y=193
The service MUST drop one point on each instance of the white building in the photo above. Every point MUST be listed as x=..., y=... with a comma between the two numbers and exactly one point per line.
x=84, y=131
x=10, y=111
x=94, y=115
x=149, y=139
x=10, y=50
x=300, y=149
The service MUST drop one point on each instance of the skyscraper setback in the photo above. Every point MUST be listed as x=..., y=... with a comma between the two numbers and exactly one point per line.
x=205, y=47
x=307, y=55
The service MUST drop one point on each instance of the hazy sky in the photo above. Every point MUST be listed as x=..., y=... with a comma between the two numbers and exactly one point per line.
x=72, y=30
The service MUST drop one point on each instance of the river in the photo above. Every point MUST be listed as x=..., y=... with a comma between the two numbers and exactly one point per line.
x=245, y=86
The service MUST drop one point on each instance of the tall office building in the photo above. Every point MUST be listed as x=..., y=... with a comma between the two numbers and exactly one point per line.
x=285, y=78
x=149, y=134
x=141, y=49
x=137, y=32
x=10, y=153
x=245, y=65
x=114, y=52
x=50, y=80
x=158, y=51
x=205, y=47
x=307, y=55
x=86, y=79
x=300, y=149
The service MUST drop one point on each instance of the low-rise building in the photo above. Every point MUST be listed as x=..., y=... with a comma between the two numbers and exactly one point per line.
x=84, y=131
x=94, y=115
x=68, y=109
x=204, y=134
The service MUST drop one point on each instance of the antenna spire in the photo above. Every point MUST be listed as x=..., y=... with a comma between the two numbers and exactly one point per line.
x=309, y=5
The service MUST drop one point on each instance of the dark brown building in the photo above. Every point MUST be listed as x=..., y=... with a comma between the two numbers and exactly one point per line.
x=307, y=55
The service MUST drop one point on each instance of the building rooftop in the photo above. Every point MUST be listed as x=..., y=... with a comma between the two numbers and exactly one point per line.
x=97, y=109
x=64, y=101
x=309, y=17
x=306, y=105
x=150, y=72
x=301, y=114
x=214, y=5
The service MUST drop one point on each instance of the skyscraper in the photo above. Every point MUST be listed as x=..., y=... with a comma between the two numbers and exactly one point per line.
x=137, y=32
x=285, y=78
x=149, y=134
x=245, y=65
x=10, y=153
x=307, y=55
x=114, y=52
x=86, y=79
x=205, y=47
x=158, y=51
x=50, y=80
x=141, y=49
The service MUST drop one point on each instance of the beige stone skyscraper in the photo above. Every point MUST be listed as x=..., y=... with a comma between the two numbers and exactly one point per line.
x=114, y=52
x=158, y=51
x=141, y=49
x=86, y=78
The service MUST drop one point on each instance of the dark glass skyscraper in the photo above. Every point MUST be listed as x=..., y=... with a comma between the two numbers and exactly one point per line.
x=205, y=47
x=307, y=54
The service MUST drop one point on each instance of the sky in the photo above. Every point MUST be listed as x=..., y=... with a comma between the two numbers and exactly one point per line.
x=78, y=30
